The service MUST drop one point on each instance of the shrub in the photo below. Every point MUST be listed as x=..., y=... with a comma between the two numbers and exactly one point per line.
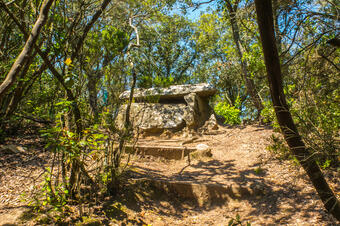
x=230, y=113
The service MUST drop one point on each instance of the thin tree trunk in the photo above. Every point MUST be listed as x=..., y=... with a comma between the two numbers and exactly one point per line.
x=288, y=128
x=249, y=83
x=21, y=86
x=93, y=101
x=76, y=165
x=94, y=77
x=56, y=74
x=20, y=91
x=26, y=51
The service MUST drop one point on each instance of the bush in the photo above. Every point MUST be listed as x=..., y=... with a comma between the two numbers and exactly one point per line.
x=230, y=113
x=267, y=113
x=279, y=147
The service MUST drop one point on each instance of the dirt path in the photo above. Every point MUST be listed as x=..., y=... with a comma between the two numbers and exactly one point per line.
x=240, y=178
x=275, y=191
x=20, y=171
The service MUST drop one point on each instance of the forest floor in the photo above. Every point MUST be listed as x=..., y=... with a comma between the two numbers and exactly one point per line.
x=241, y=178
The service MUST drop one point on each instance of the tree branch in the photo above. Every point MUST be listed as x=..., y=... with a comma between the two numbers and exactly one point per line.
x=329, y=61
x=26, y=51
x=88, y=27
x=56, y=74
x=198, y=4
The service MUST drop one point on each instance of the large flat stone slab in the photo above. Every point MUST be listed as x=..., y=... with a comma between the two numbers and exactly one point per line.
x=172, y=92
x=206, y=195
x=167, y=152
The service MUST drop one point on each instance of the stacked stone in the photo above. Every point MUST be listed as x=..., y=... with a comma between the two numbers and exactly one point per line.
x=174, y=108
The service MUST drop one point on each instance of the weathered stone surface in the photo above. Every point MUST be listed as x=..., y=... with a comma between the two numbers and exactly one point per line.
x=155, y=117
x=172, y=92
x=170, y=108
x=202, y=150
x=210, y=124
x=167, y=152
x=200, y=110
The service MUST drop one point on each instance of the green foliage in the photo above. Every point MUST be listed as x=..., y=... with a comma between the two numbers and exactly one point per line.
x=173, y=50
x=114, y=39
x=268, y=113
x=230, y=113
x=279, y=147
x=319, y=126
x=313, y=94
x=49, y=195
x=258, y=171
x=167, y=53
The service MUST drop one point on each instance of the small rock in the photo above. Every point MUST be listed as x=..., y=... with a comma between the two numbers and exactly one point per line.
x=203, y=150
x=12, y=149
x=202, y=147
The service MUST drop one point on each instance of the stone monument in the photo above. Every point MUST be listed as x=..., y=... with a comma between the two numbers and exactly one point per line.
x=174, y=108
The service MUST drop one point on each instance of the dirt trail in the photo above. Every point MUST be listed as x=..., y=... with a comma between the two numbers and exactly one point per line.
x=241, y=177
x=276, y=192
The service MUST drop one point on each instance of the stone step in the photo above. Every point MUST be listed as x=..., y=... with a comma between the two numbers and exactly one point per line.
x=167, y=152
x=206, y=195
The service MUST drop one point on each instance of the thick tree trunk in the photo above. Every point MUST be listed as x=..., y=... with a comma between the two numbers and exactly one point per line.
x=25, y=53
x=276, y=24
x=249, y=83
x=288, y=128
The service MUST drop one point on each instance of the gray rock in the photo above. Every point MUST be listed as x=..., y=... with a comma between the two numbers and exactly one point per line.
x=202, y=147
x=170, y=108
x=154, y=118
x=199, y=110
x=202, y=150
x=210, y=124
x=172, y=92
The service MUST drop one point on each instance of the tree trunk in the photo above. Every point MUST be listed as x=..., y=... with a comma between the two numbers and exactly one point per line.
x=21, y=89
x=25, y=53
x=93, y=101
x=288, y=128
x=249, y=83
x=94, y=76
x=276, y=25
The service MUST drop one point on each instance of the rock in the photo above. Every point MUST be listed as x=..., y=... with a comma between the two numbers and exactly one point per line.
x=154, y=118
x=172, y=92
x=191, y=114
x=173, y=108
x=199, y=110
x=202, y=150
x=166, y=134
x=12, y=149
x=202, y=147
x=211, y=124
